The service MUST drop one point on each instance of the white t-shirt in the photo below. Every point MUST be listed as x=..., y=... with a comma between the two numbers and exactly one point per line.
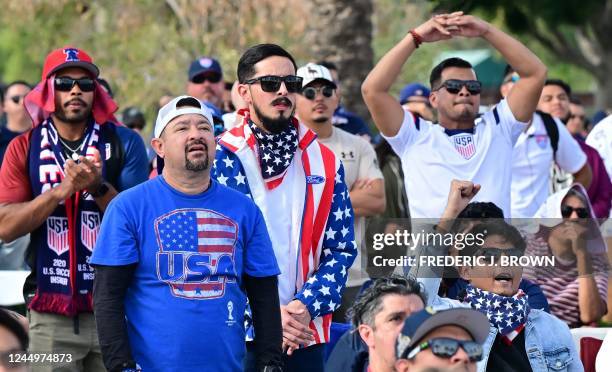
x=359, y=160
x=433, y=156
x=531, y=161
x=601, y=139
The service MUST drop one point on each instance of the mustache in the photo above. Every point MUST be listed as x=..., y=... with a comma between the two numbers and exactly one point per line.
x=75, y=100
x=196, y=143
x=282, y=100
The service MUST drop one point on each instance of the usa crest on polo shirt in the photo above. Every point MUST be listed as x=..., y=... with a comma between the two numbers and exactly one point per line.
x=464, y=144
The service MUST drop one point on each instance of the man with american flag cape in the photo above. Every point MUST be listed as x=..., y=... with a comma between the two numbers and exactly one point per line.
x=299, y=186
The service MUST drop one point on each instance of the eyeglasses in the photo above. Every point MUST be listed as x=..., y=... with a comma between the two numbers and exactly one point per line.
x=447, y=347
x=271, y=83
x=311, y=92
x=566, y=211
x=454, y=86
x=200, y=79
x=17, y=99
x=65, y=84
x=496, y=253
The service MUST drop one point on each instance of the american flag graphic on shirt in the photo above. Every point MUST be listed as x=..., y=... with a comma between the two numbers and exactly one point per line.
x=464, y=144
x=196, y=252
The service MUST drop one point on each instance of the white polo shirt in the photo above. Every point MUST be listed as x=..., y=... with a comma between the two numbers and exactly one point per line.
x=433, y=156
x=531, y=161
x=600, y=138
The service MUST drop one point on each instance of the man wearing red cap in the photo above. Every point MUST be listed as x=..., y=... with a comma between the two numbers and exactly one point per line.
x=55, y=183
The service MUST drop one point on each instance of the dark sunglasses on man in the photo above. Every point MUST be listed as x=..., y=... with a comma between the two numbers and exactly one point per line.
x=271, y=83
x=454, y=86
x=311, y=92
x=200, y=79
x=566, y=211
x=65, y=84
x=447, y=347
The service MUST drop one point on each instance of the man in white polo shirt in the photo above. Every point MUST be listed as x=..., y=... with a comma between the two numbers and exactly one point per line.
x=537, y=147
x=463, y=146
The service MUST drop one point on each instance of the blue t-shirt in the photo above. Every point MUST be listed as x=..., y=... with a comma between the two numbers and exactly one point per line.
x=185, y=305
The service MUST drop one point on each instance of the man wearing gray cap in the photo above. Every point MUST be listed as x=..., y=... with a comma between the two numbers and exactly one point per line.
x=175, y=261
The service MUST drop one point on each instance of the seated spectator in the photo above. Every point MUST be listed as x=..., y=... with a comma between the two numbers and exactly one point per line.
x=576, y=286
x=446, y=339
x=377, y=316
x=13, y=340
x=520, y=338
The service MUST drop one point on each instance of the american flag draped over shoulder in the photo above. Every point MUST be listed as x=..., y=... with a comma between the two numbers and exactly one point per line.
x=507, y=314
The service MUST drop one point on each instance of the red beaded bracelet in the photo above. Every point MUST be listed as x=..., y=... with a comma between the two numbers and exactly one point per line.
x=418, y=40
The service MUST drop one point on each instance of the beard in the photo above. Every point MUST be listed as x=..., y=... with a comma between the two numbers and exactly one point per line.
x=275, y=125
x=68, y=116
x=200, y=164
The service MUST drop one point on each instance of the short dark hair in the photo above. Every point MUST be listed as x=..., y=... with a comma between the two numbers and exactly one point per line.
x=10, y=322
x=436, y=73
x=507, y=71
x=259, y=52
x=328, y=64
x=495, y=227
x=476, y=212
x=560, y=83
x=575, y=100
x=16, y=82
x=369, y=302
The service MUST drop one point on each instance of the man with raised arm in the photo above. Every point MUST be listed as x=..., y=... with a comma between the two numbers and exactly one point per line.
x=464, y=145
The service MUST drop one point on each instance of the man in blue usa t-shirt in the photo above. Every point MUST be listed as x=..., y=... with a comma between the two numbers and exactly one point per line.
x=177, y=257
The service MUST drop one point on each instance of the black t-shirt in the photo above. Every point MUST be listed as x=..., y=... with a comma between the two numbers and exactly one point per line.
x=509, y=358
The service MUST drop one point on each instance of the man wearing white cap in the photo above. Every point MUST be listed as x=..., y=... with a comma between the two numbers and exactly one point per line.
x=315, y=107
x=174, y=260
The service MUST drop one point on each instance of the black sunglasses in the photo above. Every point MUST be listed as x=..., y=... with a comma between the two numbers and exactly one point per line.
x=311, y=92
x=271, y=83
x=447, y=347
x=566, y=211
x=17, y=99
x=65, y=84
x=454, y=86
x=213, y=78
x=496, y=253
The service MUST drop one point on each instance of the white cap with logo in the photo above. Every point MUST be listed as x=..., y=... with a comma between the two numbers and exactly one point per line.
x=180, y=106
x=312, y=72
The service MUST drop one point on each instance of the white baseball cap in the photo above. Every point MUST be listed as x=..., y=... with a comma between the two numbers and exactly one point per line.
x=312, y=72
x=180, y=106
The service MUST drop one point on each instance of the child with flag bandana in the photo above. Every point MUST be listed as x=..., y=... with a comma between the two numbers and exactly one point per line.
x=520, y=338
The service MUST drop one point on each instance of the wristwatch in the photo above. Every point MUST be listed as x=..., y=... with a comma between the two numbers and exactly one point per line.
x=100, y=191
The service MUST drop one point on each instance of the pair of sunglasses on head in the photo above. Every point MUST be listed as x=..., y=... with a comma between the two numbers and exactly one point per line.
x=454, y=86
x=447, y=347
x=293, y=84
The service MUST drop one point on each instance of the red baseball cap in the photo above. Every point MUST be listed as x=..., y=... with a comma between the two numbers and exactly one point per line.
x=68, y=57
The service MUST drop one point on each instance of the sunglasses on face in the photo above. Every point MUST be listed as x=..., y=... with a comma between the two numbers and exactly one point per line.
x=65, y=84
x=200, y=79
x=447, y=347
x=496, y=253
x=454, y=86
x=17, y=99
x=566, y=211
x=271, y=83
x=311, y=92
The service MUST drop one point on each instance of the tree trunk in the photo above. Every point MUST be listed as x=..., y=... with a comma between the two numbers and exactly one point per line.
x=340, y=31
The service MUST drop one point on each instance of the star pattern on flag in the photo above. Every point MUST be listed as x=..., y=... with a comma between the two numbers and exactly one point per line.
x=228, y=171
x=339, y=252
x=275, y=150
x=507, y=314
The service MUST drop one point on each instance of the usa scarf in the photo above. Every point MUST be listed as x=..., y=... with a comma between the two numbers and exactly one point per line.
x=507, y=314
x=275, y=152
x=64, y=242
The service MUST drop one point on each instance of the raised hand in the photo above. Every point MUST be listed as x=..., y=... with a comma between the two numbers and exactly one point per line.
x=438, y=27
x=467, y=26
x=459, y=196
